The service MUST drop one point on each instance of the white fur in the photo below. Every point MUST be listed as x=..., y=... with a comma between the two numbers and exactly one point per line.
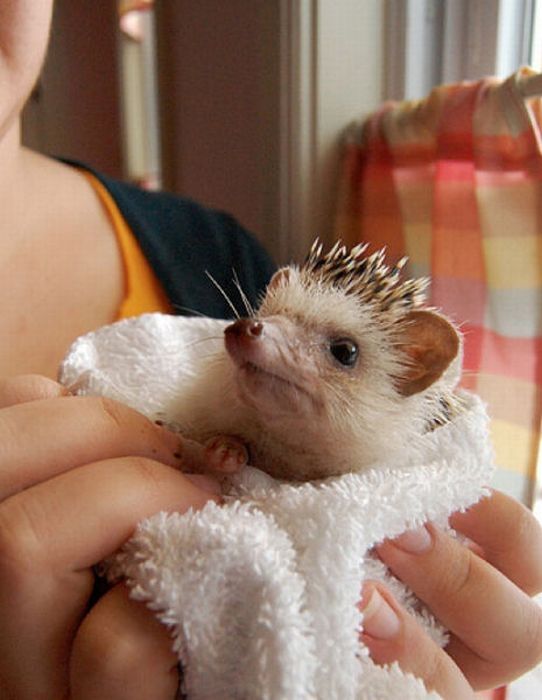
x=261, y=594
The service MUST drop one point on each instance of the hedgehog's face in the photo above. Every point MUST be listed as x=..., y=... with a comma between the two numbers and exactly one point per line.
x=295, y=382
x=324, y=374
x=310, y=352
x=315, y=348
x=276, y=367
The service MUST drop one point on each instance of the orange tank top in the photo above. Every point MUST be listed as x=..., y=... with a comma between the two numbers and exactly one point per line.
x=143, y=293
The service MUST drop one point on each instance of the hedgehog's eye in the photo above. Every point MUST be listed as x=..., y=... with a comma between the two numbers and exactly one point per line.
x=345, y=351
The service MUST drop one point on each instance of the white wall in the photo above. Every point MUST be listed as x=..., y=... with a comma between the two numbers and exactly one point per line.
x=349, y=80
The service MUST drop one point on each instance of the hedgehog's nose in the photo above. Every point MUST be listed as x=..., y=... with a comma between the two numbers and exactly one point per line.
x=244, y=328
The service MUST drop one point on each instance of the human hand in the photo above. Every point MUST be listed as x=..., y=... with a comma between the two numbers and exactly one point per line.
x=480, y=593
x=76, y=476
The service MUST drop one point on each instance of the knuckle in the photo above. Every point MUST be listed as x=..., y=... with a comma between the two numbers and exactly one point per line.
x=519, y=527
x=434, y=670
x=524, y=524
x=129, y=432
x=529, y=540
x=28, y=387
x=532, y=641
x=104, y=649
x=150, y=474
x=10, y=435
x=122, y=419
x=523, y=650
x=108, y=646
x=112, y=411
x=455, y=580
x=20, y=545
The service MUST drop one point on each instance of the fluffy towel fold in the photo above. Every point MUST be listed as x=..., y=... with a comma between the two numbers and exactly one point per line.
x=261, y=593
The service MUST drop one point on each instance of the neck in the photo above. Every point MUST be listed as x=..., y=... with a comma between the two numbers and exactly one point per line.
x=15, y=182
x=60, y=269
x=32, y=191
x=10, y=149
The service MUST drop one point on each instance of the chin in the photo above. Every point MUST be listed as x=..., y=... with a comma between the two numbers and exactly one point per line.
x=273, y=396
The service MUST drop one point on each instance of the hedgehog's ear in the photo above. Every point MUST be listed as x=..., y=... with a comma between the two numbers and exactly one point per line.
x=281, y=277
x=429, y=343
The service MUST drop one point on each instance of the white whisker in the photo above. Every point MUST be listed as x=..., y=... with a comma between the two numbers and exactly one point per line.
x=203, y=340
x=180, y=307
x=221, y=290
x=246, y=302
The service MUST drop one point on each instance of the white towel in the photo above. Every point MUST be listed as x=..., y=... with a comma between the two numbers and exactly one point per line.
x=261, y=593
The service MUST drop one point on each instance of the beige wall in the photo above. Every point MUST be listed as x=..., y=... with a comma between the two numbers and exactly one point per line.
x=75, y=110
x=256, y=95
x=218, y=74
x=220, y=106
x=254, y=98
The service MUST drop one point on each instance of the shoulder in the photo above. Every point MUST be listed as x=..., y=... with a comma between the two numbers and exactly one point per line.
x=186, y=242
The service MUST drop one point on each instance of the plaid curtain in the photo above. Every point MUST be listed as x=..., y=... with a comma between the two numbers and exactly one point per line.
x=454, y=182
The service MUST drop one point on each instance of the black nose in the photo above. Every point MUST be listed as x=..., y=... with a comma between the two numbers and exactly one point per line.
x=245, y=327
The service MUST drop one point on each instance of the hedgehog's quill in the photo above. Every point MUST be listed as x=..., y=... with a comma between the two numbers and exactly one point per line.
x=339, y=369
x=343, y=387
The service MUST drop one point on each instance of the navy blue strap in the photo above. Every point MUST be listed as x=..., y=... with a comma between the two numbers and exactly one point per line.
x=183, y=240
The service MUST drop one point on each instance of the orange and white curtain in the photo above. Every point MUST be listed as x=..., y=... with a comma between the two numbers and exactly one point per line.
x=455, y=183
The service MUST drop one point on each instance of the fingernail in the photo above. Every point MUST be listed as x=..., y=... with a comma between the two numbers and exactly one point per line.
x=205, y=483
x=415, y=541
x=379, y=618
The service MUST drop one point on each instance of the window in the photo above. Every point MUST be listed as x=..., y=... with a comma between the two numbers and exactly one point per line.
x=430, y=43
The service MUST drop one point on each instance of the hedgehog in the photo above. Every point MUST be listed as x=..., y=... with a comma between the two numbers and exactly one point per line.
x=342, y=368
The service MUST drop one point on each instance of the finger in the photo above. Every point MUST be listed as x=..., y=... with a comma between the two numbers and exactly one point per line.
x=43, y=438
x=510, y=537
x=50, y=535
x=392, y=635
x=78, y=518
x=499, y=627
x=121, y=651
x=28, y=387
